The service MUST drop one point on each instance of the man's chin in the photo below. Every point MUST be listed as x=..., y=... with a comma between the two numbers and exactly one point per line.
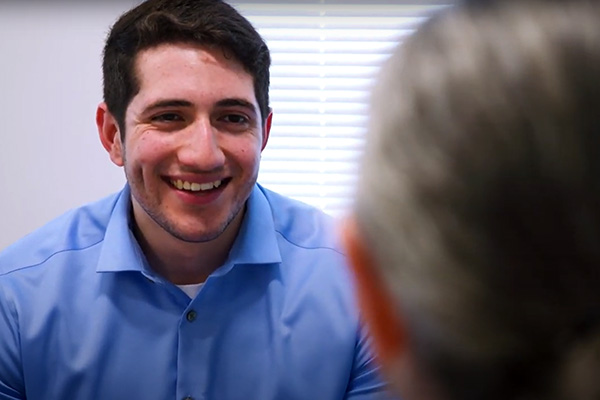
x=206, y=234
x=197, y=237
x=197, y=230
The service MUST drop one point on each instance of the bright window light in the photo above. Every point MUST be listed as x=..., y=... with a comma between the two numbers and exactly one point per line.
x=325, y=56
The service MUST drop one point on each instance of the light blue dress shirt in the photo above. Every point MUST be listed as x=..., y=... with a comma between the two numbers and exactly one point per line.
x=82, y=316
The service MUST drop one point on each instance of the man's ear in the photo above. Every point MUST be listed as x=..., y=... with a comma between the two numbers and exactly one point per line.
x=110, y=135
x=266, y=130
x=379, y=309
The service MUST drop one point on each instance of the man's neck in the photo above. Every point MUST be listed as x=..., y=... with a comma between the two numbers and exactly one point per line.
x=182, y=262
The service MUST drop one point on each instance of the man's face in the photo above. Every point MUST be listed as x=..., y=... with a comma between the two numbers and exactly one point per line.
x=193, y=139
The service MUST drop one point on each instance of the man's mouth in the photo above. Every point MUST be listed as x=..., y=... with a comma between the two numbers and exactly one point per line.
x=194, y=186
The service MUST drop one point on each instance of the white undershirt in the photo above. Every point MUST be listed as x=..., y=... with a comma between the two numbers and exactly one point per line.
x=191, y=290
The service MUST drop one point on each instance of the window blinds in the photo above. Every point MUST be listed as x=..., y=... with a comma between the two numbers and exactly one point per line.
x=325, y=56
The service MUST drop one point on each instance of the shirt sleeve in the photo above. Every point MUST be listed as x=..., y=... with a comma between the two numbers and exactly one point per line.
x=366, y=382
x=11, y=376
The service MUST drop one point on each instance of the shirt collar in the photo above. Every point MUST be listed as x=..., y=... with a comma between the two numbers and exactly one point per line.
x=120, y=250
x=256, y=242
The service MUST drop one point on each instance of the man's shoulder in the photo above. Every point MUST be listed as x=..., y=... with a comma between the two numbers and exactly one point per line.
x=76, y=229
x=302, y=224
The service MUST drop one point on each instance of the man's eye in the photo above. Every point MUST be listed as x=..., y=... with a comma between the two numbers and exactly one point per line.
x=235, y=119
x=167, y=117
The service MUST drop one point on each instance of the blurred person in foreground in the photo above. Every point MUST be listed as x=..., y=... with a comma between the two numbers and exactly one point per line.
x=193, y=282
x=475, y=235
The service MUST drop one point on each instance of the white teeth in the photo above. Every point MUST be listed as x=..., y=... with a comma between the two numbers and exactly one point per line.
x=193, y=186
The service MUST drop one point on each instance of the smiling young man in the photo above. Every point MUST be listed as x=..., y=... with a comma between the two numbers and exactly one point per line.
x=193, y=282
x=191, y=153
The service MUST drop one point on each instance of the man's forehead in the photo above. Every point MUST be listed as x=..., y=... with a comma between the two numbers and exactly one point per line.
x=191, y=73
x=207, y=52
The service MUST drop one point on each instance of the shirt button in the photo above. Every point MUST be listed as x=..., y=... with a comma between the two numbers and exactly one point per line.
x=188, y=397
x=191, y=316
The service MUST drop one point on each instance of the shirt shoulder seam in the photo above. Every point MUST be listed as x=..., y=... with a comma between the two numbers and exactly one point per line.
x=49, y=257
x=309, y=248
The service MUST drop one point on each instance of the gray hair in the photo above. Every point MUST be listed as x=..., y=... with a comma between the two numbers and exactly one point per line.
x=480, y=197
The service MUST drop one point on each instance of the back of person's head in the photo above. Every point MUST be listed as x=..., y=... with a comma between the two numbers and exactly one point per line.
x=478, y=205
x=212, y=23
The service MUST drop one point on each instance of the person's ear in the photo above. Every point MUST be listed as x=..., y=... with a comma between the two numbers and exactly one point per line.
x=110, y=135
x=378, y=308
x=266, y=130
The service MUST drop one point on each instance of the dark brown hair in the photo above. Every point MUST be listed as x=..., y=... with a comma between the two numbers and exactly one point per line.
x=205, y=22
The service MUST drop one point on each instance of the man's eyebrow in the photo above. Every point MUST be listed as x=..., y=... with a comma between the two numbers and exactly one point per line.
x=235, y=102
x=168, y=103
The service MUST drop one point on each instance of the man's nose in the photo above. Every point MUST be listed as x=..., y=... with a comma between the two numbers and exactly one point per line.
x=200, y=148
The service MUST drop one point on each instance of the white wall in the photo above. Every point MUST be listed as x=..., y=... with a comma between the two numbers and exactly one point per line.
x=50, y=84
